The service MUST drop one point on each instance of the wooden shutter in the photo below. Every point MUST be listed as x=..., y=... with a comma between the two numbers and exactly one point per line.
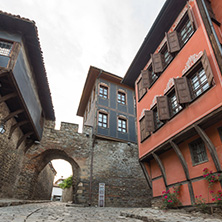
x=141, y=91
x=149, y=121
x=157, y=62
x=144, y=133
x=163, y=108
x=182, y=90
x=207, y=68
x=145, y=78
x=173, y=43
x=192, y=20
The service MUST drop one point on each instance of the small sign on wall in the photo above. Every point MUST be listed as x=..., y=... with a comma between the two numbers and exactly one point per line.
x=101, y=202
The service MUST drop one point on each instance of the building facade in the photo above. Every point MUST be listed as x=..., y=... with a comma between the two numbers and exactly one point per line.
x=108, y=107
x=178, y=82
x=25, y=100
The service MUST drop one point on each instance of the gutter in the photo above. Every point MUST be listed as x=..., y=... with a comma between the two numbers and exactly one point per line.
x=212, y=27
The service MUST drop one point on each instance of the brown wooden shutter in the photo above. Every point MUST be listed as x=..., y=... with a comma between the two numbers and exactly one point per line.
x=192, y=19
x=149, y=121
x=141, y=91
x=157, y=62
x=163, y=108
x=173, y=43
x=182, y=90
x=144, y=133
x=207, y=68
x=145, y=78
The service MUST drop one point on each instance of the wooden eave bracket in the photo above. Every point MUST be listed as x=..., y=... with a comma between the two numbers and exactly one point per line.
x=7, y=97
x=23, y=138
x=16, y=126
x=11, y=115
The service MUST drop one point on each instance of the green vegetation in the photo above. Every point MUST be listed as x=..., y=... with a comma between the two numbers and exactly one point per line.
x=66, y=183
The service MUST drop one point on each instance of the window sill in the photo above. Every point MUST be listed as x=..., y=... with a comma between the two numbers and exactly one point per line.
x=195, y=164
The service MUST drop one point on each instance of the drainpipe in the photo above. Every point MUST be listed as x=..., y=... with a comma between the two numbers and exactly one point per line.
x=92, y=149
x=91, y=170
x=212, y=27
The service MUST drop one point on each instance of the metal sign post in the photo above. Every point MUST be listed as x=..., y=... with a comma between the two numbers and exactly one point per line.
x=101, y=202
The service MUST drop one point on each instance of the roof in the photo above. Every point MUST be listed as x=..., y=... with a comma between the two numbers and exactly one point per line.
x=28, y=29
x=162, y=24
x=93, y=74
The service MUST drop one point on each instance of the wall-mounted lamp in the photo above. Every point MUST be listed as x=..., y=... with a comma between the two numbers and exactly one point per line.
x=2, y=128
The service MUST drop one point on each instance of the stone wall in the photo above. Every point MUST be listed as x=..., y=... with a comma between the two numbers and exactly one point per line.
x=67, y=194
x=10, y=158
x=116, y=164
x=93, y=161
x=44, y=185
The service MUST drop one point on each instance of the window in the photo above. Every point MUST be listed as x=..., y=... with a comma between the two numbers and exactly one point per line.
x=144, y=133
x=167, y=57
x=198, y=152
x=121, y=97
x=185, y=28
x=103, y=120
x=5, y=48
x=122, y=127
x=157, y=121
x=199, y=82
x=175, y=107
x=220, y=132
x=196, y=81
x=103, y=91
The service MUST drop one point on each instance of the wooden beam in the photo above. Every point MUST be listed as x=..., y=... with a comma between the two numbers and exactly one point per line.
x=23, y=138
x=181, y=158
x=11, y=115
x=162, y=169
x=6, y=97
x=3, y=72
x=28, y=146
x=146, y=174
x=185, y=168
x=16, y=126
x=210, y=146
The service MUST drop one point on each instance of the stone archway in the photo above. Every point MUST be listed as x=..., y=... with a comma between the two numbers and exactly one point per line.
x=34, y=167
x=66, y=144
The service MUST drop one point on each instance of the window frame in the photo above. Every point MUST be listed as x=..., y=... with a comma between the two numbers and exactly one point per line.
x=103, y=87
x=11, y=49
x=120, y=101
x=219, y=129
x=185, y=19
x=171, y=94
x=191, y=148
x=103, y=113
x=121, y=128
x=157, y=124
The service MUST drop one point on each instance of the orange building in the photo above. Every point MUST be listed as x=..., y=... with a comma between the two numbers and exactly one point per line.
x=179, y=98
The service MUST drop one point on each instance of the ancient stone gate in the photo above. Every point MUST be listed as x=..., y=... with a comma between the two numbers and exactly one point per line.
x=93, y=161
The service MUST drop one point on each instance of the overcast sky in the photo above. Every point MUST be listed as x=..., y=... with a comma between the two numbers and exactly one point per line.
x=75, y=34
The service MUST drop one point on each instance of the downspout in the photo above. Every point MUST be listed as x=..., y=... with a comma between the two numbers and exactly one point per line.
x=91, y=170
x=92, y=152
x=212, y=27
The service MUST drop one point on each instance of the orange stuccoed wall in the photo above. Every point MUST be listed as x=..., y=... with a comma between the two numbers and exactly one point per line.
x=202, y=106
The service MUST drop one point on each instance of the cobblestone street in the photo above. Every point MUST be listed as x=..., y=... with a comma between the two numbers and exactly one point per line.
x=56, y=211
